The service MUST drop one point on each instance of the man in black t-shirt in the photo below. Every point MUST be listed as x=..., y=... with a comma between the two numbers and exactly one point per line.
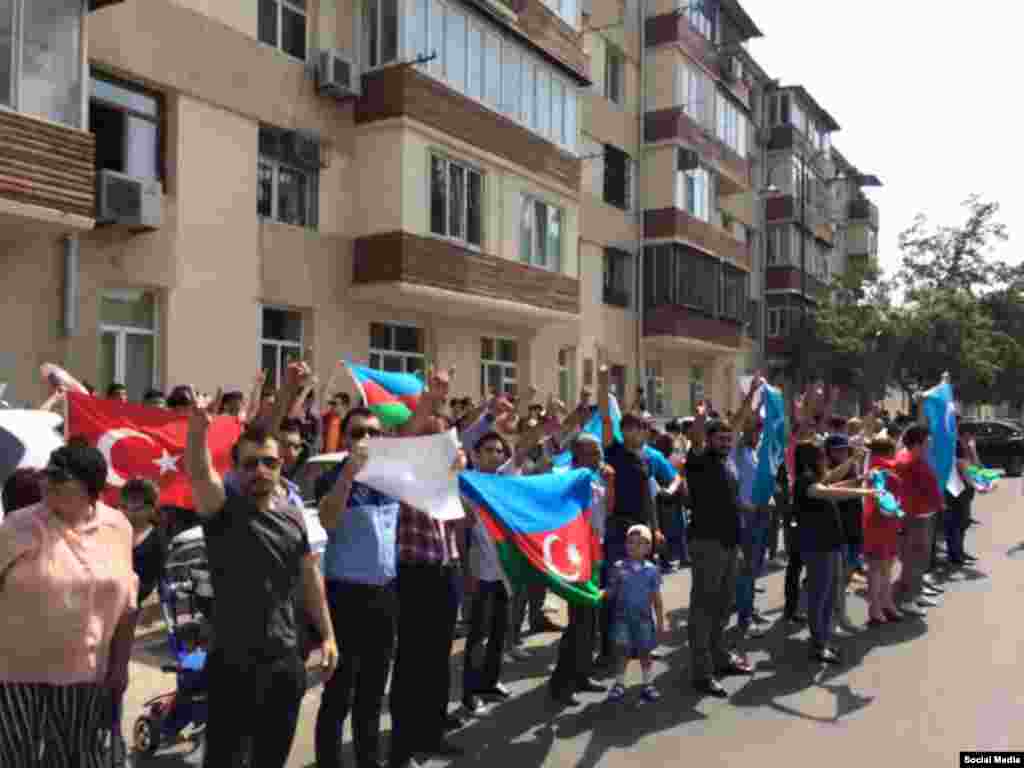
x=259, y=556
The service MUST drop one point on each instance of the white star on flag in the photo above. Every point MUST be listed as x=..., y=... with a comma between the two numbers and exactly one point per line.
x=167, y=463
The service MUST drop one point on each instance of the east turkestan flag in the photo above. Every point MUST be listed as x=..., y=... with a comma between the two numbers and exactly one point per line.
x=940, y=411
x=772, y=450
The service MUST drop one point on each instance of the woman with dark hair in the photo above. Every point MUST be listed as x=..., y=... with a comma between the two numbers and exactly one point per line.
x=67, y=590
x=821, y=540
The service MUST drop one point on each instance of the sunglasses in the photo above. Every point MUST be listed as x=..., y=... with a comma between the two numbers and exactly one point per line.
x=270, y=462
x=358, y=433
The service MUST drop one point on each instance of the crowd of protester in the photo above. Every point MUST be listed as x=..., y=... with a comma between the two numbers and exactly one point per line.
x=396, y=586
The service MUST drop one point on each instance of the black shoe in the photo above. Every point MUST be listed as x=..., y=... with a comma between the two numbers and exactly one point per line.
x=757, y=618
x=590, y=686
x=825, y=655
x=444, y=748
x=472, y=706
x=498, y=691
x=453, y=722
x=565, y=698
x=797, y=618
x=710, y=687
x=544, y=625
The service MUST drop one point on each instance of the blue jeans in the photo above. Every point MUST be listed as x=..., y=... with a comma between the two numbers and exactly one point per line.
x=822, y=571
x=754, y=541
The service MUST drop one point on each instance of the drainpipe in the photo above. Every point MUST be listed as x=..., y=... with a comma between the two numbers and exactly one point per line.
x=639, y=282
x=71, y=285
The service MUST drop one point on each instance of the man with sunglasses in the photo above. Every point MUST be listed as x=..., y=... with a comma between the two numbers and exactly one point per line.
x=360, y=567
x=260, y=557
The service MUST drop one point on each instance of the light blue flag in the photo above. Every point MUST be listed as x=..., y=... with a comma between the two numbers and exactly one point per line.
x=772, y=451
x=595, y=427
x=941, y=414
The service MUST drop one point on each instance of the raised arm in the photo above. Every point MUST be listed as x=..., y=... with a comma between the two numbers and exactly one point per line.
x=604, y=402
x=698, y=435
x=252, y=408
x=746, y=411
x=332, y=506
x=207, y=485
x=434, y=396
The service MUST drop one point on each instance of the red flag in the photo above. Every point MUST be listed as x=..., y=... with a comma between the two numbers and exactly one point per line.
x=138, y=441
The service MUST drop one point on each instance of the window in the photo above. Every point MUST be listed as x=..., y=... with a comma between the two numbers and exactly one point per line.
x=282, y=24
x=41, y=71
x=677, y=275
x=732, y=126
x=455, y=54
x=734, y=294
x=511, y=68
x=456, y=199
x=540, y=239
x=780, y=321
x=498, y=366
x=566, y=10
x=696, y=385
x=618, y=277
x=614, y=66
x=126, y=121
x=567, y=374
x=701, y=17
x=693, y=192
x=128, y=341
x=655, y=388
x=280, y=342
x=529, y=95
x=288, y=177
x=754, y=319
x=779, y=244
x=396, y=348
x=618, y=178
x=696, y=95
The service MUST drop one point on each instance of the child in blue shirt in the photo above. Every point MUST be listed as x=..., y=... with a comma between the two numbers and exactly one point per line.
x=635, y=587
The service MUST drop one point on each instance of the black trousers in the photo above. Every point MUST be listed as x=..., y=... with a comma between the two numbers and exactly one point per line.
x=575, y=650
x=428, y=602
x=364, y=623
x=489, y=621
x=794, y=566
x=253, y=710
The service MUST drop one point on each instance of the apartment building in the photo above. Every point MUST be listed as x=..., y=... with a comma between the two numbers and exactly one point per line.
x=500, y=185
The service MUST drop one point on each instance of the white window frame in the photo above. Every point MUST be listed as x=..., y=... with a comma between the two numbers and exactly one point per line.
x=122, y=332
x=280, y=5
x=312, y=191
x=405, y=356
x=281, y=344
x=467, y=169
x=702, y=174
x=566, y=374
x=694, y=12
x=531, y=201
x=654, y=388
x=509, y=371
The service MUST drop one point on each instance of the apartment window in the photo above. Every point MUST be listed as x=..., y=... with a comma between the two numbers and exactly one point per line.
x=282, y=24
x=655, y=388
x=701, y=17
x=280, y=342
x=676, y=275
x=779, y=245
x=498, y=365
x=618, y=178
x=614, y=70
x=696, y=385
x=456, y=201
x=128, y=341
x=779, y=322
x=618, y=277
x=566, y=10
x=126, y=121
x=396, y=348
x=754, y=318
x=41, y=70
x=693, y=192
x=695, y=93
x=732, y=126
x=567, y=374
x=288, y=180
x=734, y=294
x=540, y=238
x=617, y=381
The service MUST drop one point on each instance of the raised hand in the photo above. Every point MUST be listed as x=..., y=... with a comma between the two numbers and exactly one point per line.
x=298, y=375
x=199, y=415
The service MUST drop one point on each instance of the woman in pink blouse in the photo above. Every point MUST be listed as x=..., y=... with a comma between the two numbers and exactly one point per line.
x=66, y=591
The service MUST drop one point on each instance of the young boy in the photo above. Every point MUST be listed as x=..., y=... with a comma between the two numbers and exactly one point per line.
x=635, y=584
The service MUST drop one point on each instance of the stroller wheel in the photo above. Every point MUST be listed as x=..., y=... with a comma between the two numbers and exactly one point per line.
x=146, y=735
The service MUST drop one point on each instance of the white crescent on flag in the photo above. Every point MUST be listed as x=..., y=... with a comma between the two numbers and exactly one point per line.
x=105, y=445
x=574, y=558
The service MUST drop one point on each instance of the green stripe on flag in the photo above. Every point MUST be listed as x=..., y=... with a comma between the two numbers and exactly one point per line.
x=521, y=573
x=392, y=414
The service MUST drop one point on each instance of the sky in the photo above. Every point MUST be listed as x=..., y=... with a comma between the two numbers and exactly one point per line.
x=925, y=93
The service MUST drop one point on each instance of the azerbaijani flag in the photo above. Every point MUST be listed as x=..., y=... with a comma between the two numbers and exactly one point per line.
x=540, y=525
x=392, y=396
x=984, y=479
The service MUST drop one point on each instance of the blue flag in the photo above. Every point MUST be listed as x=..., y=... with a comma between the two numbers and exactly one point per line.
x=941, y=414
x=595, y=427
x=772, y=451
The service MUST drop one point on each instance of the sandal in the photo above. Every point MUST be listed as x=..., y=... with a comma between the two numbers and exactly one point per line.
x=617, y=693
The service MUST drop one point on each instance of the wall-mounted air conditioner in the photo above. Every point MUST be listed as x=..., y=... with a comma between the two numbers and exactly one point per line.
x=128, y=200
x=336, y=74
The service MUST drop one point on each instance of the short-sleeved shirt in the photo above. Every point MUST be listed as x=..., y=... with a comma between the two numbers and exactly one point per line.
x=821, y=529
x=633, y=500
x=255, y=570
x=714, y=499
x=921, y=497
x=363, y=547
x=633, y=582
x=148, y=558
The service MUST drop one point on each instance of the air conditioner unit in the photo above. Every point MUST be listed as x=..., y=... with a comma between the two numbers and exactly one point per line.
x=688, y=160
x=336, y=74
x=128, y=200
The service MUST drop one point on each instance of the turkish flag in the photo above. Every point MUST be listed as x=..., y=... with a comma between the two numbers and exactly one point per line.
x=138, y=441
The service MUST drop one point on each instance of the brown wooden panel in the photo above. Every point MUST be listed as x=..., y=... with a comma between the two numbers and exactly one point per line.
x=673, y=320
x=667, y=223
x=786, y=278
x=779, y=207
x=674, y=123
x=396, y=91
x=674, y=28
x=48, y=165
x=403, y=257
x=546, y=30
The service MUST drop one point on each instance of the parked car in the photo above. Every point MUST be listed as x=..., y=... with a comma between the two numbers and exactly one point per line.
x=1000, y=444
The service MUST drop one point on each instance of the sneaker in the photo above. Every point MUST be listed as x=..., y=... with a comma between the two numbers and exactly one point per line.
x=757, y=618
x=931, y=591
x=757, y=631
x=927, y=602
x=617, y=693
x=931, y=583
x=650, y=693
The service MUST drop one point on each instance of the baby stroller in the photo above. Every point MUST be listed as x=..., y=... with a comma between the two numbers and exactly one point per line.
x=186, y=600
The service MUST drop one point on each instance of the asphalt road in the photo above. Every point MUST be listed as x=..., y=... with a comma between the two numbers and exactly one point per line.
x=913, y=694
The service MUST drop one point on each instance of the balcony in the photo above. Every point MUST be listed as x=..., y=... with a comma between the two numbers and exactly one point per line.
x=674, y=27
x=672, y=223
x=786, y=277
x=675, y=124
x=431, y=274
x=863, y=210
x=781, y=208
x=545, y=29
x=674, y=326
x=402, y=91
x=47, y=176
